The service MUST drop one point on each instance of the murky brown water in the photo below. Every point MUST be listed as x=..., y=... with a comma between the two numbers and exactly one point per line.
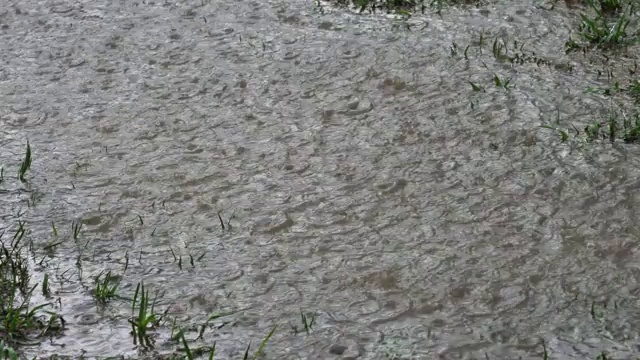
x=358, y=181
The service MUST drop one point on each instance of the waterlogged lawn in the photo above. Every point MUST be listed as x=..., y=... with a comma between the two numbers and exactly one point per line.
x=605, y=31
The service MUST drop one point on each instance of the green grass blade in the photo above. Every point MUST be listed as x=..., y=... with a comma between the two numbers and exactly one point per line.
x=186, y=346
x=215, y=316
x=135, y=298
x=26, y=163
x=264, y=342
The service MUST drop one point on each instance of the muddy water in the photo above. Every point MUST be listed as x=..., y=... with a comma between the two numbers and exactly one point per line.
x=358, y=175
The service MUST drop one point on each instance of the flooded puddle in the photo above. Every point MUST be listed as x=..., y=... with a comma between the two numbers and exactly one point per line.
x=377, y=187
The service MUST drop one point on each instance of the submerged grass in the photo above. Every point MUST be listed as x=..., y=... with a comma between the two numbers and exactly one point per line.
x=145, y=320
x=605, y=26
x=20, y=320
x=307, y=322
x=401, y=7
x=389, y=5
x=7, y=352
x=617, y=127
x=23, y=322
x=191, y=354
x=106, y=288
x=26, y=163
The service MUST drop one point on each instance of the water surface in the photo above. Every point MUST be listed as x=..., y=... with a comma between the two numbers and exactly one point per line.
x=358, y=175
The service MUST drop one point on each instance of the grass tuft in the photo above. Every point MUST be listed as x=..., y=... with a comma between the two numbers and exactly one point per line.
x=76, y=227
x=7, y=352
x=20, y=320
x=145, y=319
x=306, y=322
x=606, y=27
x=106, y=288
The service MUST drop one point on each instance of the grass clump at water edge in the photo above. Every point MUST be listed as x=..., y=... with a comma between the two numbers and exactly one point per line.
x=399, y=6
x=21, y=322
x=606, y=26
